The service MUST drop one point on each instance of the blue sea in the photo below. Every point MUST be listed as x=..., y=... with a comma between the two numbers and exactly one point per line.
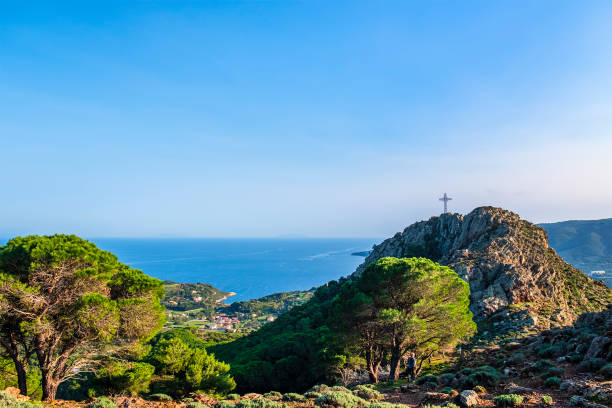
x=250, y=267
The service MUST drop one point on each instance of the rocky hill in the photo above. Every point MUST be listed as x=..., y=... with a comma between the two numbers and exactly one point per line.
x=514, y=274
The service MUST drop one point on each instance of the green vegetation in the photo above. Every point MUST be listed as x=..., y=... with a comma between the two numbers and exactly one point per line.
x=8, y=401
x=552, y=382
x=606, y=371
x=269, y=305
x=43, y=280
x=190, y=367
x=290, y=354
x=508, y=400
x=8, y=377
x=339, y=399
x=367, y=393
x=547, y=400
x=225, y=404
x=102, y=402
x=189, y=296
x=160, y=397
x=396, y=306
x=404, y=305
x=195, y=404
x=259, y=403
x=293, y=397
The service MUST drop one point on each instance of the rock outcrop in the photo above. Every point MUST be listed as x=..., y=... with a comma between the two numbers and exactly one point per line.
x=508, y=263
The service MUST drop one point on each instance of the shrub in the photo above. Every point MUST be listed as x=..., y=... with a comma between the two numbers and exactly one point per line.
x=273, y=395
x=516, y=358
x=367, y=392
x=259, y=403
x=188, y=399
x=508, y=400
x=225, y=404
x=451, y=405
x=233, y=397
x=385, y=405
x=480, y=390
x=160, y=397
x=123, y=378
x=253, y=395
x=453, y=394
x=102, y=402
x=322, y=388
x=466, y=371
x=340, y=389
x=552, y=382
x=312, y=394
x=547, y=400
x=591, y=364
x=446, y=378
x=606, y=371
x=575, y=358
x=427, y=378
x=485, y=375
x=340, y=399
x=9, y=401
x=195, y=405
x=543, y=365
x=294, y=397
x=446, y=390
x=553, y=372
x=548, y=350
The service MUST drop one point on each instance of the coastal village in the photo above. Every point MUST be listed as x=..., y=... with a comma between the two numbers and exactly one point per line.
x=221, y=322
x=202, y=307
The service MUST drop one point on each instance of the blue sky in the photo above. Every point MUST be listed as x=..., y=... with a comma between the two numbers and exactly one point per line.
x=305, y=118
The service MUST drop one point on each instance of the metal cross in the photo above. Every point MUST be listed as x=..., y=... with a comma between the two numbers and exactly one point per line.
x=446, y=199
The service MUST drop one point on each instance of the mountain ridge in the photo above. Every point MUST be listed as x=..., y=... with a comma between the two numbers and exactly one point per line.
x=508, y=263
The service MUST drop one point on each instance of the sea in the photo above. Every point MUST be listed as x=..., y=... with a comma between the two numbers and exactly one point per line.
x=251, y=268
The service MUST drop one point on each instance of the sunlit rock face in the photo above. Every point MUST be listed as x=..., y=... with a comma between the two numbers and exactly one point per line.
x=512, y=271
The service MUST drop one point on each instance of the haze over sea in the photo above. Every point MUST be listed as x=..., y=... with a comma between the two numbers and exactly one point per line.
x=250, y=267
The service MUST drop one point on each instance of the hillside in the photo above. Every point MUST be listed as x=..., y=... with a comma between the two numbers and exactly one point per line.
x=188, y=296
x=585, y=244
x=201, y=305
x=518, y=284
x=508, y=263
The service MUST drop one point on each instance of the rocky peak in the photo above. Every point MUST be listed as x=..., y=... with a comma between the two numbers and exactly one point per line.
x=507, y=262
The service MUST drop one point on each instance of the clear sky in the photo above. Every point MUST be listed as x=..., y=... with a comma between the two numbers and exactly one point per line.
x=300, y=118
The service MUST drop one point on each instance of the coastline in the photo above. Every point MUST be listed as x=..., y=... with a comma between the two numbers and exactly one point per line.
x=229, y=294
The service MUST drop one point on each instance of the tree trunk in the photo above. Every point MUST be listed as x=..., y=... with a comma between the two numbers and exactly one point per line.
x=49, y=386
x=396, y=357
x=373, y=366
x=21, y=378
x=373, y=372
x=20, y=364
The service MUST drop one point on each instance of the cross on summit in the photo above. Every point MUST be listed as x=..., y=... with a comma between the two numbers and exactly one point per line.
x=446, y=199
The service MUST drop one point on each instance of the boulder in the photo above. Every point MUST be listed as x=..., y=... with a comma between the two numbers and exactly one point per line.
x=16, y=393
x=598, y=347
x=469, y=398
x=434, y=398
x=517, y=389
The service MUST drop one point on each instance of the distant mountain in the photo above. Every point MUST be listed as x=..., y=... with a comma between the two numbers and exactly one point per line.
x=587, y=245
